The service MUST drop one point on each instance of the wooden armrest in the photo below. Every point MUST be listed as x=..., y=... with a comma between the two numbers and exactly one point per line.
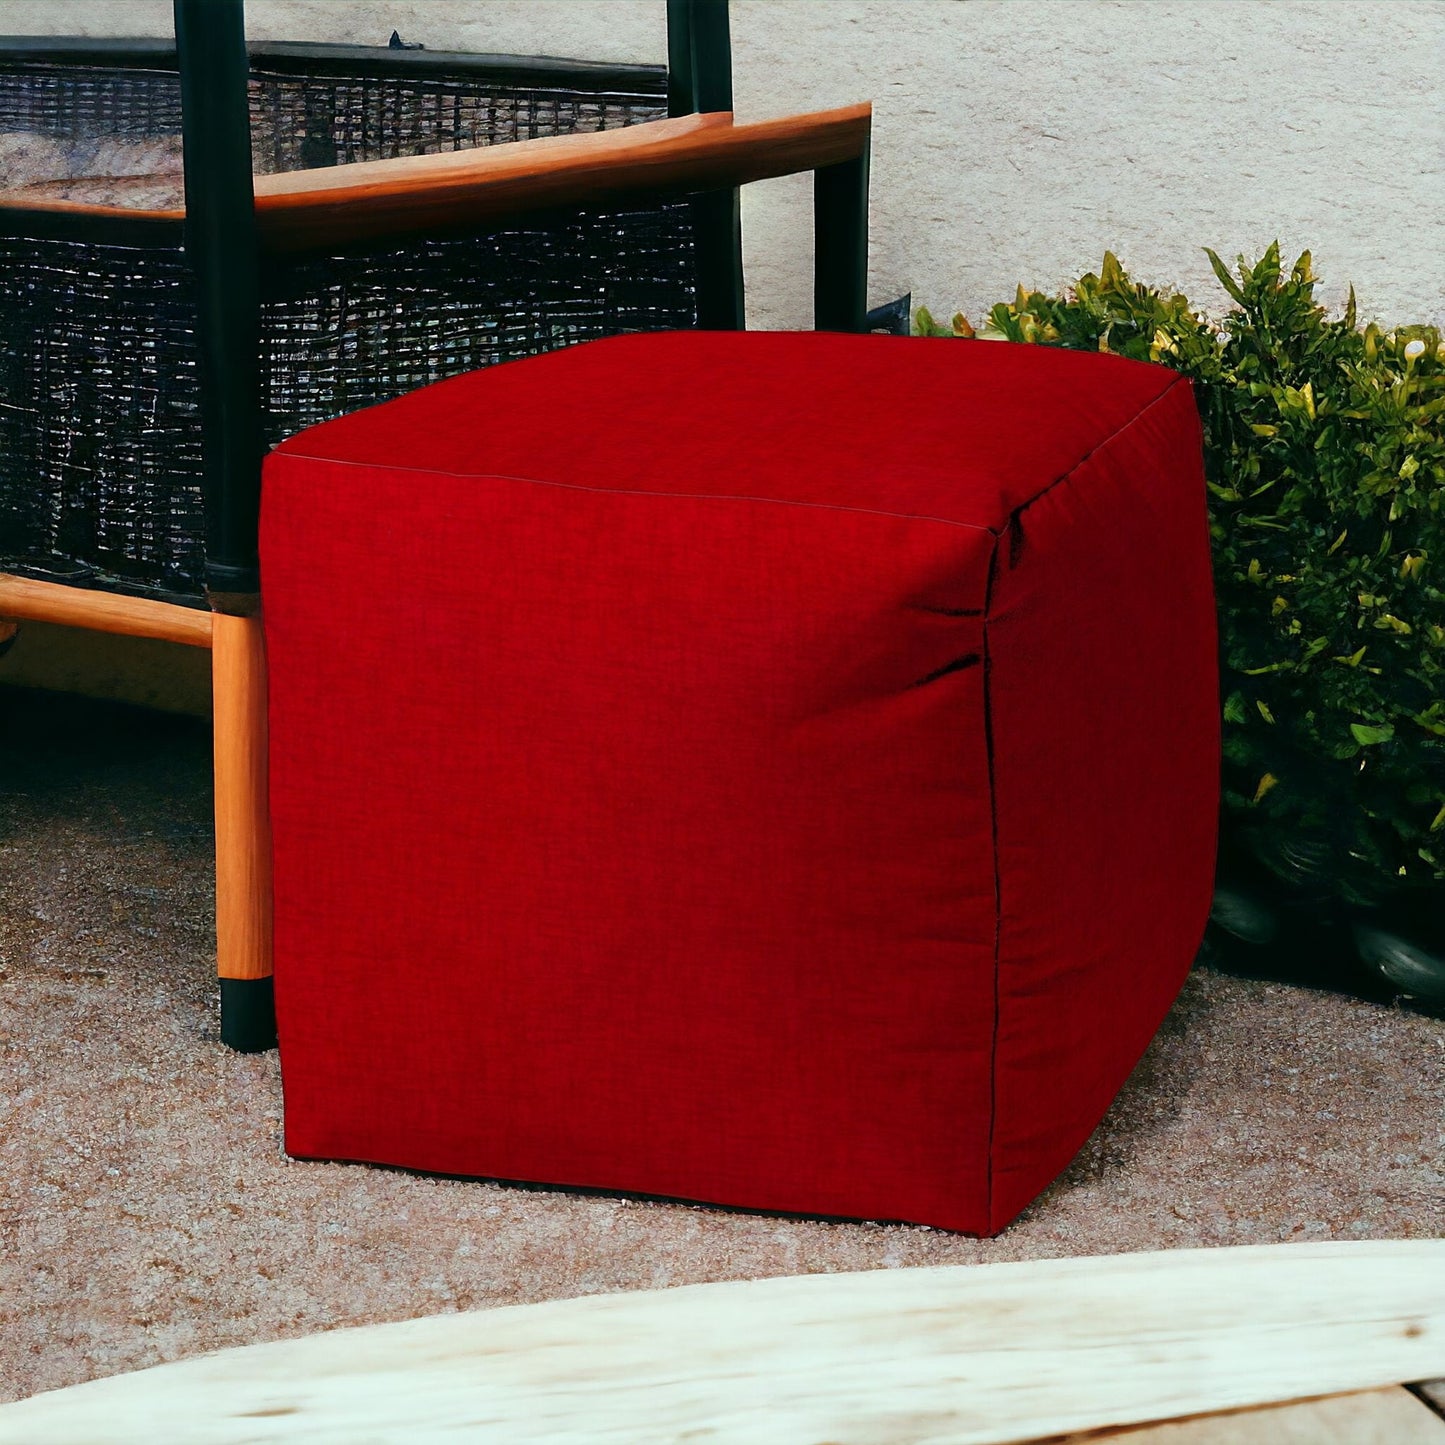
x=18, y=209
x=370, y=200
x=375, y=200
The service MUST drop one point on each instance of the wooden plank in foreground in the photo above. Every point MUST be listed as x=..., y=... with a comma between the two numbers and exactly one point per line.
x=23, y=599
x=1373, y=1417
x=948, y=1356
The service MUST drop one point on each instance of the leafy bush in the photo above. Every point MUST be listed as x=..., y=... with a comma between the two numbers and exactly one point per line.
x=1325, y=462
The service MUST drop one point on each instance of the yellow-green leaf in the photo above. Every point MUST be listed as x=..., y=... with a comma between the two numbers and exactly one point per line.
x=1265, y=784
x=1367, y=734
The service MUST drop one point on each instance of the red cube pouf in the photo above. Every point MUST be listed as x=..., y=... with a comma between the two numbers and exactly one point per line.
x=777, y=770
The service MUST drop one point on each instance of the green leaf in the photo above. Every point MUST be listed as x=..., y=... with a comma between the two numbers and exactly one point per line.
x=1365, y=734
x=1395, y=624
x=1225, y=279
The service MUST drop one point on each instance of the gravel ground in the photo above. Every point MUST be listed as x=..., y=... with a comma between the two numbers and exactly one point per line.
x=147, y=1212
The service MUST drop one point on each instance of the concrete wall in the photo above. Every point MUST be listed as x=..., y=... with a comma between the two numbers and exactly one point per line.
x=1015, y=140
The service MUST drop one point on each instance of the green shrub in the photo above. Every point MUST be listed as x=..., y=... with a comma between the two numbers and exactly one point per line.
x=1325, y=461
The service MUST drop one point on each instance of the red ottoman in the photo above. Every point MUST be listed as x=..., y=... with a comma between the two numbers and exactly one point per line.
x=770, y=769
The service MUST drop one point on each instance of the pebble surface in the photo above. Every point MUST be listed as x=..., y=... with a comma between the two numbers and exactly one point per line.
x=147, y=1212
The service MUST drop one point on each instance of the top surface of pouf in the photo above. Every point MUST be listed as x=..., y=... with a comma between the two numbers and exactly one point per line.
x=808, y=417
x=773, y=770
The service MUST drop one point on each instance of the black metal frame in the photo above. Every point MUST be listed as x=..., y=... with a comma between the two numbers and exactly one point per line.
x=221, y=246
x=840, y=251
x=700, y=79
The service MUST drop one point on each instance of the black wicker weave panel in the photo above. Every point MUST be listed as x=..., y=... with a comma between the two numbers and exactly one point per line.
x=99, y=432
x=299, y=121
x=99, y=439
x=69, y=102
x=99, y=419
x=347, y=332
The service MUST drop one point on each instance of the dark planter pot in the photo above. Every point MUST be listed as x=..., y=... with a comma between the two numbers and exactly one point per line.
x=1279, y=914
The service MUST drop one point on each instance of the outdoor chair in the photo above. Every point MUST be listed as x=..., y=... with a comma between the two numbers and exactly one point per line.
x=148, y=354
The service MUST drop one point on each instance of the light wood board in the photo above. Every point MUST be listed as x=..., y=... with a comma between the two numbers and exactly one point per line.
x=1374, y=1417
x=949, y=1356
x=243, y=815
x=25, y=600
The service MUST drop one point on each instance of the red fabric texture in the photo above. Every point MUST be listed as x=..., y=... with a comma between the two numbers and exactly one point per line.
x=772, y=770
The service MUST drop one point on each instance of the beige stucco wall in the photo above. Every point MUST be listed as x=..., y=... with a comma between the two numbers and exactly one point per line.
x=1014, y=141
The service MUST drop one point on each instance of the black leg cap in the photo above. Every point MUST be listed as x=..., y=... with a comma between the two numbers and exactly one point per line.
x=248, y=1014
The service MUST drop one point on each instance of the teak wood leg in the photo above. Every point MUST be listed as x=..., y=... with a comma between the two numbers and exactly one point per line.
x=243, y=834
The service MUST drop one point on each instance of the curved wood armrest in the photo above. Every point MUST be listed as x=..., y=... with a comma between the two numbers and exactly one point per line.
x=372, y=200
x=23, y=599
x=376, y=200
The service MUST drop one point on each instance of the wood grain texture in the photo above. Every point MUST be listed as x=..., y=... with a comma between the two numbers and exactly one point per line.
x=1372, y=1417
x=375, y=200
x=25, y=600
x=243, y=819
x=948, y=1356
x=20, y=200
